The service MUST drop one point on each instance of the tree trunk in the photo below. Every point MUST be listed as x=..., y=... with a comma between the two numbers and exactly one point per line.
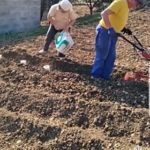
x=91, y=10
x=90, y=5
x=42, y=9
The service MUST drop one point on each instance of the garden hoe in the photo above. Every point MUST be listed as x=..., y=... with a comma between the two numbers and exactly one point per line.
x=141, y=51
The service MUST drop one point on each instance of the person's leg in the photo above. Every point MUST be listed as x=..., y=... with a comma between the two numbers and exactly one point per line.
x=109, y=62
x=102, y=50
x=49, y=37
x=61, y=55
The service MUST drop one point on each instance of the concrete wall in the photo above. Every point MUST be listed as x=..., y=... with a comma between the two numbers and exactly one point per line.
x=19, y=15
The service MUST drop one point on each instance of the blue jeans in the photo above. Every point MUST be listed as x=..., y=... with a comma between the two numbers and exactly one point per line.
x=105, y=46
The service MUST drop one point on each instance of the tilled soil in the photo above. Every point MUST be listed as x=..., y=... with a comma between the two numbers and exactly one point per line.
x=66, y=109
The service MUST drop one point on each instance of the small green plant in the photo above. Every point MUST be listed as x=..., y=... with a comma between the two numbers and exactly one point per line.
x=7, y=37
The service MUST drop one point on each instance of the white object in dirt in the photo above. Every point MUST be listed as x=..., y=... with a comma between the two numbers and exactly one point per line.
x=47, y=67
x=148, y=50
x=63, y=42
x=1, y=56
x=24, y=62
x=19, y=142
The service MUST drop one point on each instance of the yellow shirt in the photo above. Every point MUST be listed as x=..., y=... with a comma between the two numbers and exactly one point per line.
x=119, y=19
x=61, y=18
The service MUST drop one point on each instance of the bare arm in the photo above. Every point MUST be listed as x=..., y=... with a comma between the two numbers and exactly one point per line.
x=72, y=18
x=50, y=15
x=68, y=25
x=51, y=20
x=71, y=22
x=105, y=15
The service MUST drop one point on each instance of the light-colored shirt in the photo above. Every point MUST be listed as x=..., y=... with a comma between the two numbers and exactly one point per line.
x=119, y=18
x=61, y=18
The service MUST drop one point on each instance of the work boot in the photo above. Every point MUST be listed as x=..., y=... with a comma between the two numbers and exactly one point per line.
x=61, y=55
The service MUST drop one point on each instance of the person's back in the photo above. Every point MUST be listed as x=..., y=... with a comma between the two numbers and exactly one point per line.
x=119, y=17
x=61, y=17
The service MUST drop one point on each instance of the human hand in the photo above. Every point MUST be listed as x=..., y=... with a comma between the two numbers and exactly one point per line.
x=51, y=20
x=67, y=28
x=111, y=32
x=126, y=31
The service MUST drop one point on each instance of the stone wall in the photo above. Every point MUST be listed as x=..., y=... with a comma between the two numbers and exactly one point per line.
x=19, y=15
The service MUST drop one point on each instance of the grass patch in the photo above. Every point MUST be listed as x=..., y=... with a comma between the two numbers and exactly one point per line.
x=8, y=37
x=88, y=20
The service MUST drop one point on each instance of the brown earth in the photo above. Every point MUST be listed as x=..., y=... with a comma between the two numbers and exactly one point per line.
x=65, y=109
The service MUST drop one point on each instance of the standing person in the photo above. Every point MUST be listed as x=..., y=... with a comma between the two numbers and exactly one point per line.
x=114, y=19
x=60, y=16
